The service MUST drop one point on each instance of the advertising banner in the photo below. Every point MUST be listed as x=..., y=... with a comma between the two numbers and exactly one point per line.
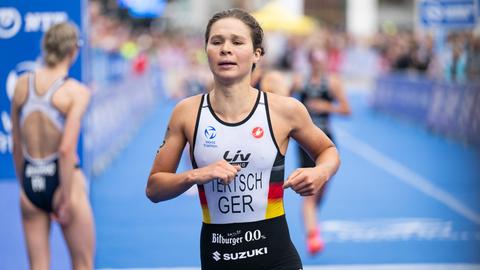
x=448, y=13
x=406, y=97
x=22, y=24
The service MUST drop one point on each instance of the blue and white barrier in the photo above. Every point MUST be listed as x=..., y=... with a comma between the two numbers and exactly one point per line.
x=120, y=101
x=448, y=108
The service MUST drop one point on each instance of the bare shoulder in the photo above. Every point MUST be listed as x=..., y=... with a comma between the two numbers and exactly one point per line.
x=77, y=88
x=289, y=113
x=23, y=79
x=335, y=81
x=335, y=78
x=21, y=90
x=284, y=106
x=183, y=117
x=189, y=102
x=184, y=113
x=188, y=105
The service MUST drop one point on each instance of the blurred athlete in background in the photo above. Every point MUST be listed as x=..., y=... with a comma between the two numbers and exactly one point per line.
x=47, y=109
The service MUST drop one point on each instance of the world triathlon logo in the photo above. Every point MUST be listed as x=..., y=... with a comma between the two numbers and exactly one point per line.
x=10, y=22
x=210, y=133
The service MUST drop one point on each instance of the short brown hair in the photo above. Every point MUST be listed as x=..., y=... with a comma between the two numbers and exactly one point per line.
x=256, y=30
x=58, y=42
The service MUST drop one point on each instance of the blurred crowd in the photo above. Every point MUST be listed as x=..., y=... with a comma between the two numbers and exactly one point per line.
x=181, y=57
x=456, y=59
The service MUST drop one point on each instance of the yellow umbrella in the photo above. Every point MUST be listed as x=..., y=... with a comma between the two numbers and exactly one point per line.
x=275, y=17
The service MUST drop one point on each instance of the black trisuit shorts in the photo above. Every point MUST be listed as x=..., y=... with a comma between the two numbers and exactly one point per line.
x=259, y=245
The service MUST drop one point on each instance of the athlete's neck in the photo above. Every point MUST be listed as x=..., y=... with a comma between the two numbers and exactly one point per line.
x=234, y=102
x=58, y=70
x=317, y=76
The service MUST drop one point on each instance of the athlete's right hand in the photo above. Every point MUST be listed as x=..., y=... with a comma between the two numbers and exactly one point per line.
x=221, y=170
x=319, y=106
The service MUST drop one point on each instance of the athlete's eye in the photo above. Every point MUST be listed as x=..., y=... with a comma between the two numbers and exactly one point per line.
x=215, y=42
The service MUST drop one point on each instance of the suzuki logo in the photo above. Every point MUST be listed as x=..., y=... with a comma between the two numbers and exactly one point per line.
x=216, y=256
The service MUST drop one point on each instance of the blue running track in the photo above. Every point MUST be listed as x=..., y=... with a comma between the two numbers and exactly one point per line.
x=403, y=196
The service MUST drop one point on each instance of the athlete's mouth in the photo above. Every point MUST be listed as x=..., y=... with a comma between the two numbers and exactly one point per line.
x=227, y=63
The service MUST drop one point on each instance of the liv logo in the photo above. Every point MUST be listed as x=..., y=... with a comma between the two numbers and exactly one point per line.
x=237, y=159
x=210, y=133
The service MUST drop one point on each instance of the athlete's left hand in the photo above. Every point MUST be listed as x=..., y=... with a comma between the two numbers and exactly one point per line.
x=307, y=181
x=61, y=213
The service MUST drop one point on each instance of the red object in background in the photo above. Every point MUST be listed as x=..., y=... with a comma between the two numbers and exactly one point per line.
x=140, y=64
x=335, y=59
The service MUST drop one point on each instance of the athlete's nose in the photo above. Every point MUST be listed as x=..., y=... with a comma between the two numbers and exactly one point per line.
x=226, y=48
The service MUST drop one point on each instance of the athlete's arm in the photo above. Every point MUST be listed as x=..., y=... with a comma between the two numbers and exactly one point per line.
x=342, y=106
x=80, y=97
x=163, y=183
x=308, y=181
x=18, y=98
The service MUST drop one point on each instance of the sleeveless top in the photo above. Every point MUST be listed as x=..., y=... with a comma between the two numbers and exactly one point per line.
x=318, y=91
x=257, y=190
x=43, y=104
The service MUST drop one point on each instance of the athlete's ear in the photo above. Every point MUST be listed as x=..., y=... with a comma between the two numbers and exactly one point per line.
x=257, y=54
x=73, y=55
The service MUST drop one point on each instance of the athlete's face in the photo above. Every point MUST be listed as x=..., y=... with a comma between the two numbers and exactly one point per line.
x=318, y=60
x=230, y=50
